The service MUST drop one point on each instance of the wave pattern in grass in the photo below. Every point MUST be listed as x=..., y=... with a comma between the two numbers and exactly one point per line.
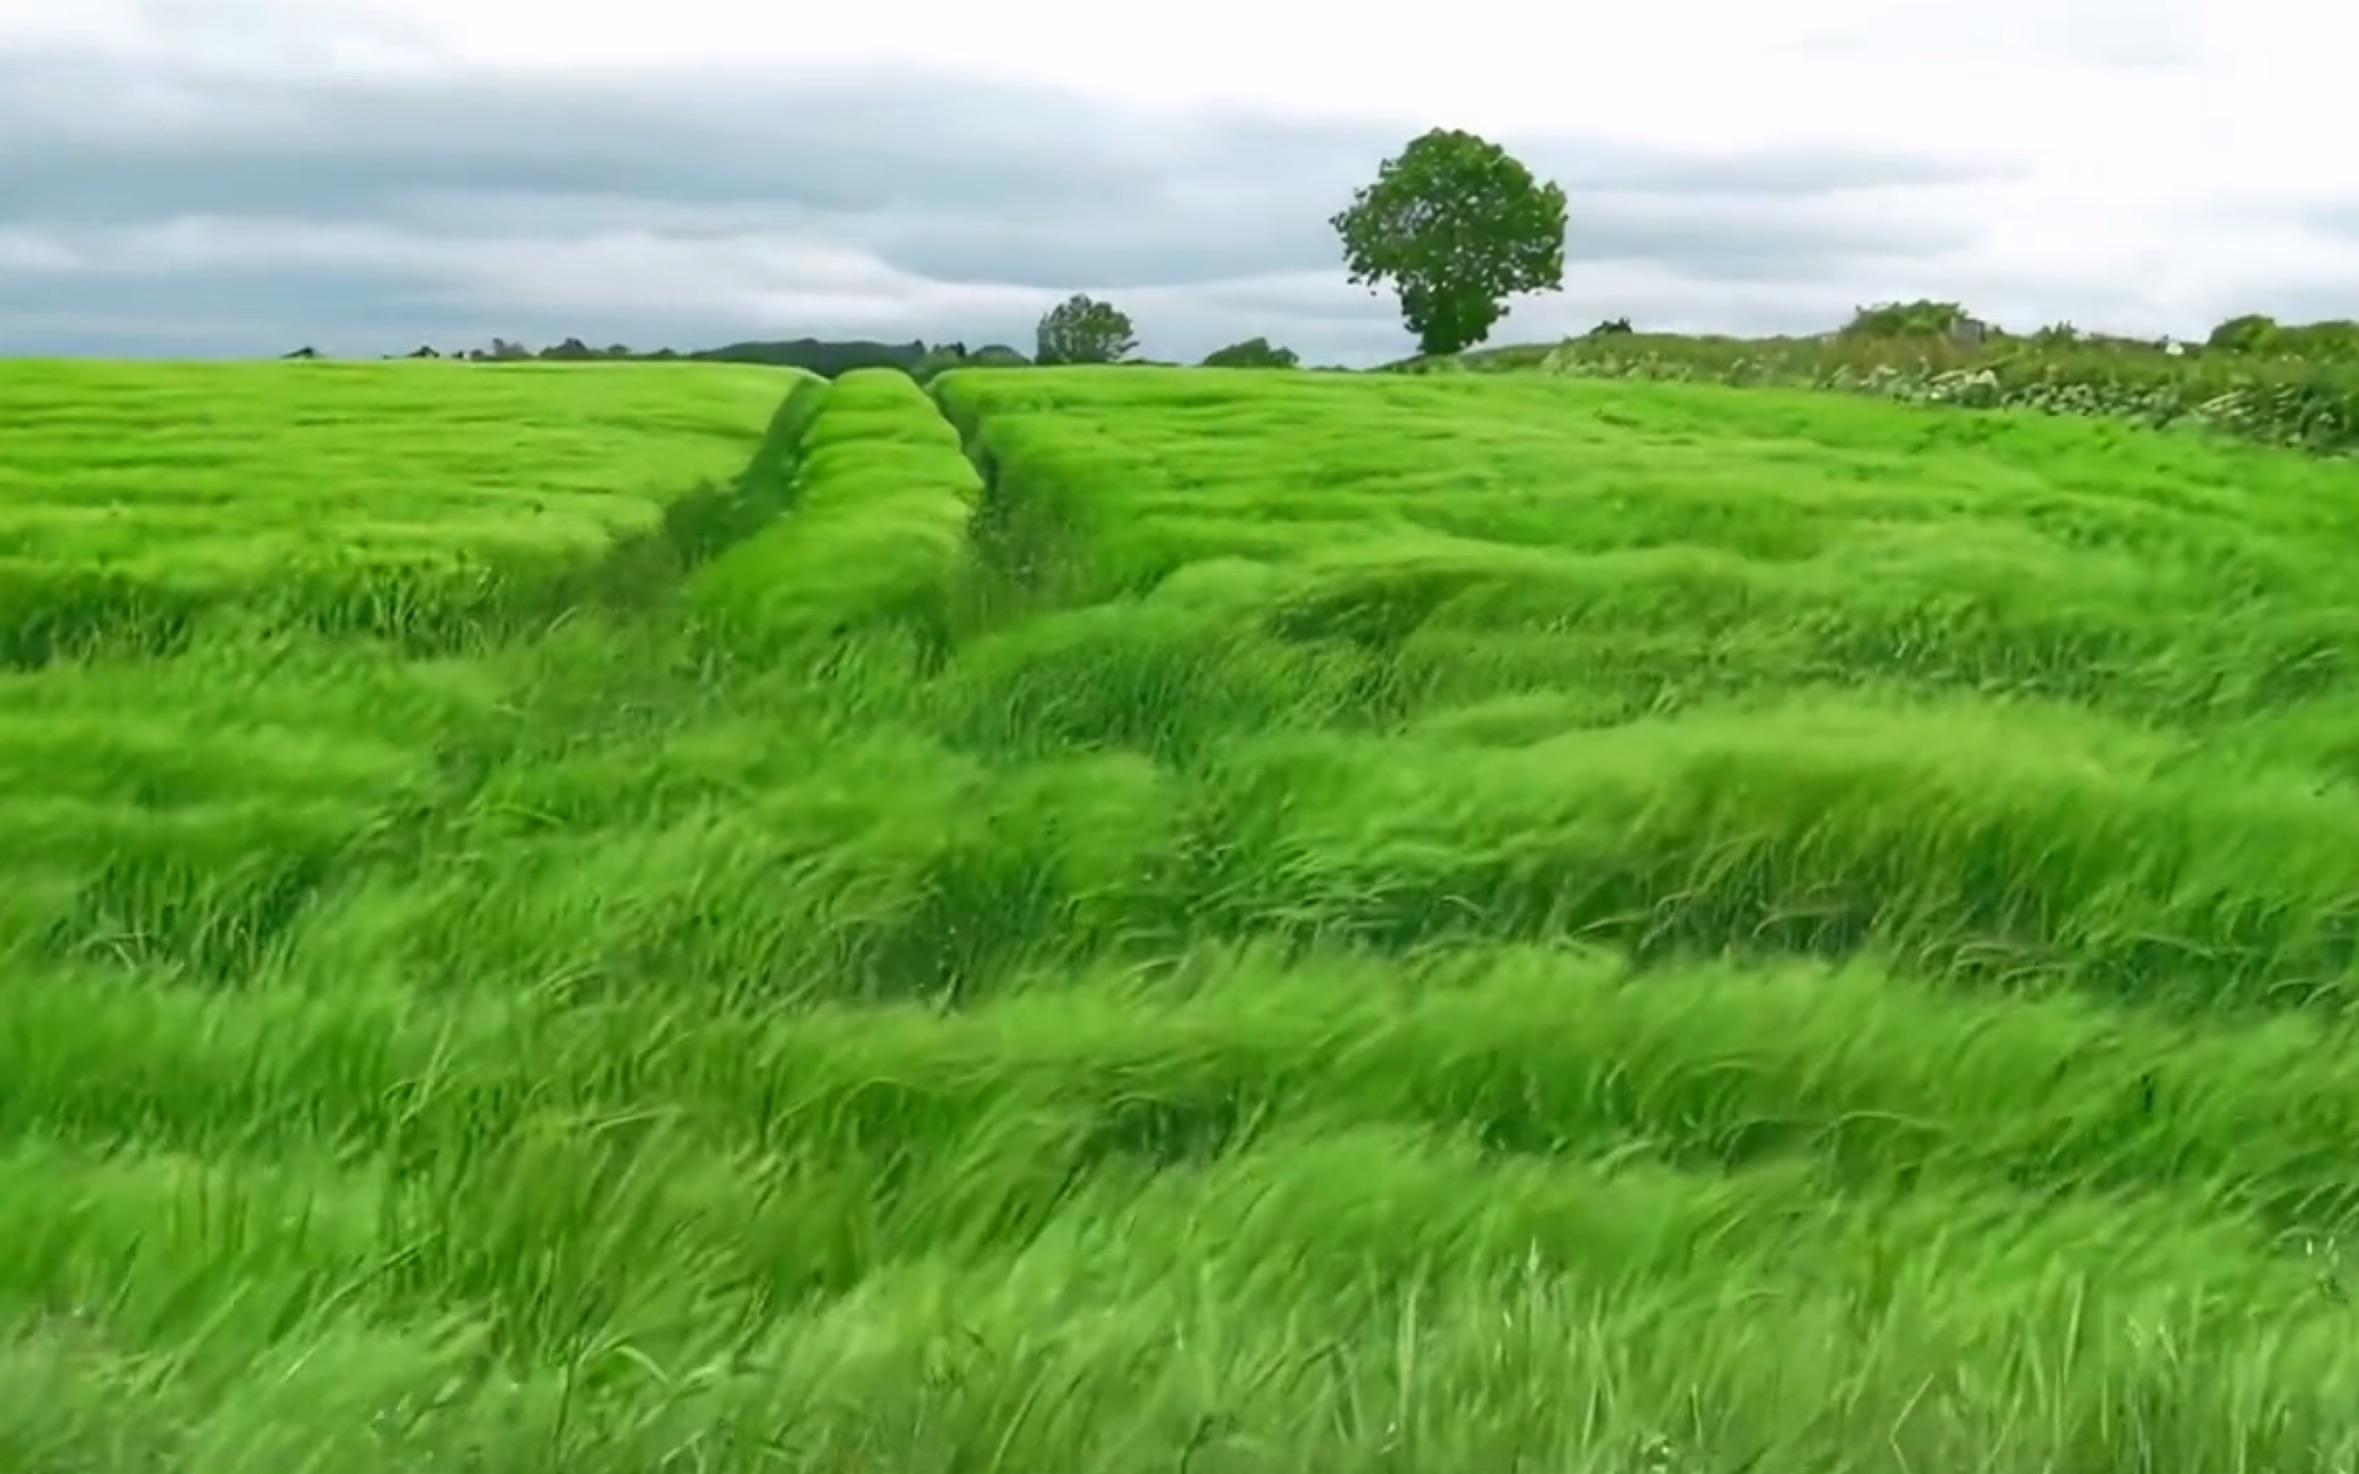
x=428, y=501
x=1267, y=923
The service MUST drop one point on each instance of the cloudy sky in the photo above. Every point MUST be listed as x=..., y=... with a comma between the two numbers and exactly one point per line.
x=210, y=177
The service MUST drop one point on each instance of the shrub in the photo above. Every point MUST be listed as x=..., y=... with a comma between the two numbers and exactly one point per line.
x=1252, y=353
x=2281, y=401
x=2251, y=333
x=1906, y=320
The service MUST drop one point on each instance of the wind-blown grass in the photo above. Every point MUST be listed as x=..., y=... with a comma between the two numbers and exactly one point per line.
x=1398, y=925
x=879, y=539
x=436, y=500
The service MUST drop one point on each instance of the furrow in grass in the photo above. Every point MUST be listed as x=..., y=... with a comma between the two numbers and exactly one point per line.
x=878, y=536
x=1039, y=525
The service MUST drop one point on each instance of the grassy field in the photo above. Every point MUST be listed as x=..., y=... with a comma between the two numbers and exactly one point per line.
x=1246, y=923
x=436, y=501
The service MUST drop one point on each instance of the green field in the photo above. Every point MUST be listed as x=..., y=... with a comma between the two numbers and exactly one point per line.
x=137, y=501
x=1153, y=920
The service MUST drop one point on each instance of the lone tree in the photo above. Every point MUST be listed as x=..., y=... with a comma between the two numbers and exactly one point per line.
x=1457, y=226
x=1082, y=329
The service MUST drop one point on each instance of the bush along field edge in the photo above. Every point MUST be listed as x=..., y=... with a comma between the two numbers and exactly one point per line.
x=2289, y=402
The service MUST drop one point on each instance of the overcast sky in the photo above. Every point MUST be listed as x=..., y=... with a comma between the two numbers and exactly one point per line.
x=206, y=177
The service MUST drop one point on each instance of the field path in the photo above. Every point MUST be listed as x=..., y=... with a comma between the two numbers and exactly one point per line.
x=878, y=536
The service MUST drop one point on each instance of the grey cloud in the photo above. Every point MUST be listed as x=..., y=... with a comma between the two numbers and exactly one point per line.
x=216, y=142
x=235, y=312
x=444, y=181
x=1117, y=254
x=1271, y=232
x=243, y=314
x=220, y=142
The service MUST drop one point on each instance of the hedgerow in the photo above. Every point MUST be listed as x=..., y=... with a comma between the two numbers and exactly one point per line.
x=2280, y=400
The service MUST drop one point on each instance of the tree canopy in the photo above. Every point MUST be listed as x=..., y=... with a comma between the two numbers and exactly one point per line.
x=1252, y=353
x=1920, y=319
x=1457, y=226
x=1082, y=329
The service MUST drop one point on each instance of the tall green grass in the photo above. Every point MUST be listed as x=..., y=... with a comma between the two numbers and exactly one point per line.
x=436, y=501
x=879, y=537
x=1258, y=924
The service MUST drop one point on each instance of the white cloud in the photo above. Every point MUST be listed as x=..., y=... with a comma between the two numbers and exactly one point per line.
x=27, y=253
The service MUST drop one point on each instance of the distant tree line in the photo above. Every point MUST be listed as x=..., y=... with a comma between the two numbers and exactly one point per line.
x=1089, y=333
x=1082, y=330
x=1455, y=227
